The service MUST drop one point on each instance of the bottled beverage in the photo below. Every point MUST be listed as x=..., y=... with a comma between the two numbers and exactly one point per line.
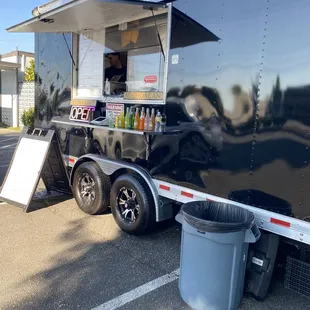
x=142, y=117
x=111, y=121
x=127, y=119
x=136, y=125
x=147, y=120
x=157, y=121
x=153, y=119
x=163, y=122
x=116, y=120
x=132, y=119
x=121, y=121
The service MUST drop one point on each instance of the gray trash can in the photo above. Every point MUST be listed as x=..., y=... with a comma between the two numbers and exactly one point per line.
x=215, y=241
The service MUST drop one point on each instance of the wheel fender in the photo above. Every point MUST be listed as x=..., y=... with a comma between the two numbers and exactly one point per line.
x=109, y=166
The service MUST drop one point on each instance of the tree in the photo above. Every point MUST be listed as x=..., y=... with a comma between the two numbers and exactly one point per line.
x=29, y=74
x=278, y=87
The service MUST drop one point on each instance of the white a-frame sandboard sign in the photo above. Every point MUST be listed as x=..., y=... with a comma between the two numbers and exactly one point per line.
x=26, y=166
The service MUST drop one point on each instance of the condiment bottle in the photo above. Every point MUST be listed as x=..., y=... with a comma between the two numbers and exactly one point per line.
x=107, y=87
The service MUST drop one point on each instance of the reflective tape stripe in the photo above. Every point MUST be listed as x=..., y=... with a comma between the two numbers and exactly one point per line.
x=186, y=194
x=279, y=222
x=164, y=187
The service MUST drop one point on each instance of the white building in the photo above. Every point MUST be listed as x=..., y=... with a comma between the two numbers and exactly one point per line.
x=12, y=71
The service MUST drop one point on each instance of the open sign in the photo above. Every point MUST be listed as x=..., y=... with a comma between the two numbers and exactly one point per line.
x=81, y=114
x=150, y=79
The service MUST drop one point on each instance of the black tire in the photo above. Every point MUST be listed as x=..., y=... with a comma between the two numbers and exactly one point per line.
x=100, y=185
x=145, y=217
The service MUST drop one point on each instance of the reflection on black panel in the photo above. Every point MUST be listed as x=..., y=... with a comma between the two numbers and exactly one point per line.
x=53, y=77
x=215, y=81
x=281, y=157
x=254, y=81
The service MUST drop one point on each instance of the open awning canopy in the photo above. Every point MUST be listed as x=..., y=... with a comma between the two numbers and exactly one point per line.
x=89, y=15
x=185, y=31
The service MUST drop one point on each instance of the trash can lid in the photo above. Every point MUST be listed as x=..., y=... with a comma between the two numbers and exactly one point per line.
x=217, y=217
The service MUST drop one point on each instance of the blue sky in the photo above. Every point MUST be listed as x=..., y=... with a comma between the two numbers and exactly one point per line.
x=14, y=12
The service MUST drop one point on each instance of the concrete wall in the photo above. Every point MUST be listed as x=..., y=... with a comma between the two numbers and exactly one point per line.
x=6, y=110
x=9, y=110
x=26, y=99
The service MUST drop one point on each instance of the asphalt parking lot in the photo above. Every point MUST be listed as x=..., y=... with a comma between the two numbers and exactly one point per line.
x=56, y=257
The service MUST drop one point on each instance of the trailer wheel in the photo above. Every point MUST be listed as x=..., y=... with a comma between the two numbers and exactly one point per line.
x=132, y=204
x=91, y=188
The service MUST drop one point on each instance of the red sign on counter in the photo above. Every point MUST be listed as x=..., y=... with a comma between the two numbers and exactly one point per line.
x=150, y=79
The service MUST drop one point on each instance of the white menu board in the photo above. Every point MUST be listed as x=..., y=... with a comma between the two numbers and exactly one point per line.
x=25, y=171
x=91, y=65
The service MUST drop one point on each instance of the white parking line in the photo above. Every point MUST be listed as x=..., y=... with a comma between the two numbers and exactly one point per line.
x=139, y=291
x=7, y=139
x=6, y=146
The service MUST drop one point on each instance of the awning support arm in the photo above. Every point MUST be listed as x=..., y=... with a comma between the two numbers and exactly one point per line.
x=159, y=38
x=69, y=50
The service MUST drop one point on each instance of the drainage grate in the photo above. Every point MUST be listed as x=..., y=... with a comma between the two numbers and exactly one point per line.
x=297, y=275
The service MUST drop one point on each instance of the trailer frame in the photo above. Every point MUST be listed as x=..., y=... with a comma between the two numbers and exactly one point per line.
x=279, y=224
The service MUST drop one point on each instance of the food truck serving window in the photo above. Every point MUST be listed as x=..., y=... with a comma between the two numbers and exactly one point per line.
x=123, y=59
x=107, y=32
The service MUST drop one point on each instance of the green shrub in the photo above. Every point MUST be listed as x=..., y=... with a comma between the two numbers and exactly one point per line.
x=29, y=74
x=28, y=118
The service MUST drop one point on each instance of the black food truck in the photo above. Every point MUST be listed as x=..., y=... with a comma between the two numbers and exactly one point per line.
x=161, y=103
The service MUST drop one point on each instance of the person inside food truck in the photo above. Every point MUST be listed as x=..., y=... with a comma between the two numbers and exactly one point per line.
x=116, y=69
